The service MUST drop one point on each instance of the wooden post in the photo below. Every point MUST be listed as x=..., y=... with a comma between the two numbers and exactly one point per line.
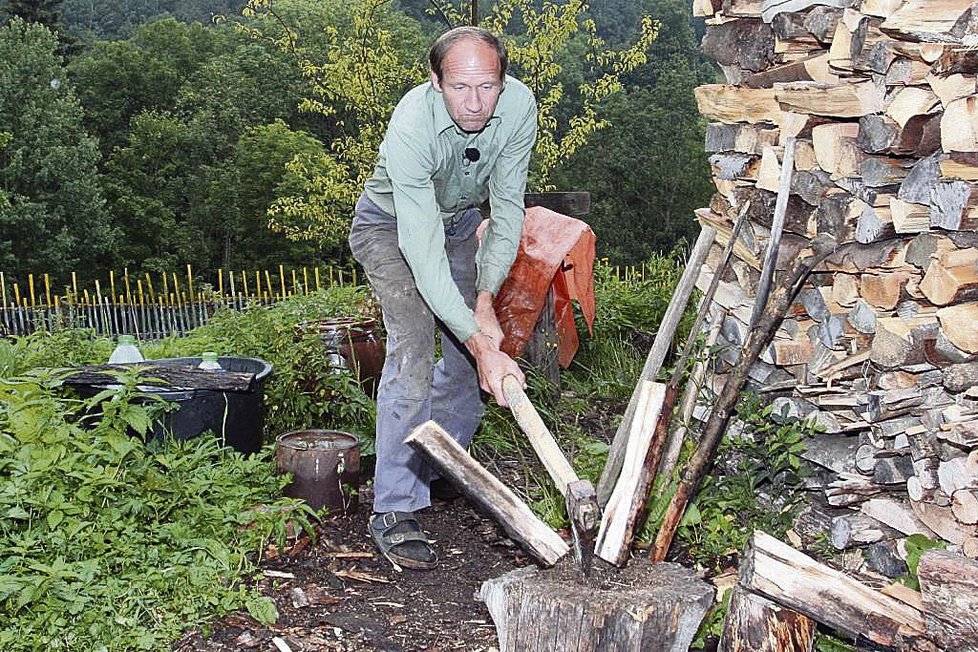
x=755, y=624
x=947, y=586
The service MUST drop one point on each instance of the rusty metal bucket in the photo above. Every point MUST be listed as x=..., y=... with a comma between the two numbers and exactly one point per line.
x=325, y=468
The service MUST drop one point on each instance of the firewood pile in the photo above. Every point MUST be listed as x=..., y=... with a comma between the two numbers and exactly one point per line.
x=857, y=119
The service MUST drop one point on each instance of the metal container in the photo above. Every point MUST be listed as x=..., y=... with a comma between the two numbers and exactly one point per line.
x=350, y=343
x=325, y=468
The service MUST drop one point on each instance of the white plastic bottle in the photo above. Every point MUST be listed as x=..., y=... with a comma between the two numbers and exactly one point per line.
x=208, y=361
x=125, y=351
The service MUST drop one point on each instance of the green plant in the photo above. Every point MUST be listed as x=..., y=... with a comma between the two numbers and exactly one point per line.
x=756, y=483
x=917, y=545
x=113, y=544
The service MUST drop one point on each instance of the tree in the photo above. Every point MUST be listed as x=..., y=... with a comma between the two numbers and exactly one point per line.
x=365, y=72
x=648, y=171
x=52, y=215
x=43, y=12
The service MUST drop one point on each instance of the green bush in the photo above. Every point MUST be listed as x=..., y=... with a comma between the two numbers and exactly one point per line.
x=113, y=544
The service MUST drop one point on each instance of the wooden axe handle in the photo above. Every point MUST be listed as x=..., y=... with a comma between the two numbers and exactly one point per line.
x=540, y=437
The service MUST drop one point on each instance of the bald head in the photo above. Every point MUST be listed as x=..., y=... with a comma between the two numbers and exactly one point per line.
x=440, y=48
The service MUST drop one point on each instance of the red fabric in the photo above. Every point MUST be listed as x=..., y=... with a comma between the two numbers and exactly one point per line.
x=555, y=250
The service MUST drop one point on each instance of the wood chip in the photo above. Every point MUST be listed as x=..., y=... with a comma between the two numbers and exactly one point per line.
x=360, y=576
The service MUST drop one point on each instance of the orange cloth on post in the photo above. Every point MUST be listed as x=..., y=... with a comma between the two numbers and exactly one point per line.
x=555, y=250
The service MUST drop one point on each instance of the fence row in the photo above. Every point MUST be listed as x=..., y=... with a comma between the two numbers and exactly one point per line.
x=135, y=305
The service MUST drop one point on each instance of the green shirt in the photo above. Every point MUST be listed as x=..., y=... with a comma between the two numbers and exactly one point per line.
x=424, y=180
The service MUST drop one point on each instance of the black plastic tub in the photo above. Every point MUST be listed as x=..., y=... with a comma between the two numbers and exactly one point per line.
x=236, y=418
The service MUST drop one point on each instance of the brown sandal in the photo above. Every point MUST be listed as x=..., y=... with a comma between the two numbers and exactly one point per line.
x=400, y=538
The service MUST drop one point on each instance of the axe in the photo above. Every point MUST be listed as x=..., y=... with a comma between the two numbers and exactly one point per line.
x=579, y=495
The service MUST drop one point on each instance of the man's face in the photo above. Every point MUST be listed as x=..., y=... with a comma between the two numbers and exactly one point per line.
x=470, y=83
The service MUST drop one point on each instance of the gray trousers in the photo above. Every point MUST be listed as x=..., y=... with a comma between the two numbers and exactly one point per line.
x=413, y=389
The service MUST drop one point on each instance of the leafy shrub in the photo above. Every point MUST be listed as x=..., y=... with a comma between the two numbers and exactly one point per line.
x=111, y=544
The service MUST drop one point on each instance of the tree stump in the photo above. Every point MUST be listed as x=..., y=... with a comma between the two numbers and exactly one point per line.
x=643, y=607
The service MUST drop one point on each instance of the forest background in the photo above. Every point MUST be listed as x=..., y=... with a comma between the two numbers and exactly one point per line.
x=151, y=134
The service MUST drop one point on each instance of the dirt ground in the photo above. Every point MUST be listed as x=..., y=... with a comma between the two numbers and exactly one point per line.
x=341, y=594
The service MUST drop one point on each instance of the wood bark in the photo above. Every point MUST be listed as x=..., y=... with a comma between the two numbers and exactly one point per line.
x=482, y=488
x=756, y=624
x=947, y=586
x=167, y=377
x=545, y=611
x=793, y=579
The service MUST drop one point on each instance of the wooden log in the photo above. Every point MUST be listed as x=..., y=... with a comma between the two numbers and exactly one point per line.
x=643, y=608
x=947, y=587
x=655, y=358
x=951, y=87
x=897, y=514
x=964, y=506
x=880, y=134
x=926, y=20
x=756, y=624
x=167, y=376
x=954, y=205
x=625, y=506
x=724, y=42
x=883, y=290
x=898, y=342
x=744, y=138
x=726, y=103
x=909, y=102
x=771, y=8
x=959, y=377
x=793, y=579
x=835, y=148
x=843, y=100
x=482, y=488
x=957, y=324
x=908, y=217
x=960, y=165
x=952, y=277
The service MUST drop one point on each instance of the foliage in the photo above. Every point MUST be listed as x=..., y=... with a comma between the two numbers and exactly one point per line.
x=52, y=217
x=111, y=544
x=648, y=171
x=916, y=545
x=367, y=68
x=756, y=484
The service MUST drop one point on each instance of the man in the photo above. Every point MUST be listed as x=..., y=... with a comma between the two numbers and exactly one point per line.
x=463, y=137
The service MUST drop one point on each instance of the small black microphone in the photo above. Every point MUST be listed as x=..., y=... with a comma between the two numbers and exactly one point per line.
x=471, y=154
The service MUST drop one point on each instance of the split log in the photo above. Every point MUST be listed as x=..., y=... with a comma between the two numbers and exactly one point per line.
x=909, y=102
x=166, y=376
x=960, y=166
x=926, y=20
x=843, y=100
x=482, y=488
x=725, y=43
x=744, y=138
x=793, y=579
x=899, y=342
x=908, y=217
x=727, y=103
x=625, y=505
x=954, y=205
x=964, y=506
x=952, y=87
x=940, y=520
x=756, y=624
x=655, y=358
x=880, y=134
x=958, y=325
x=959, y=377
x=543, y=611
x=771, y=8
x=896, y=514
x=947, y=586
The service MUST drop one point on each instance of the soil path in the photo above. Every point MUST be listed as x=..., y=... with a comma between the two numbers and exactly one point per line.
x=341, y=594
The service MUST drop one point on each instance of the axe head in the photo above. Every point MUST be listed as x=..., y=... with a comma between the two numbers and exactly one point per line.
x=585, y=516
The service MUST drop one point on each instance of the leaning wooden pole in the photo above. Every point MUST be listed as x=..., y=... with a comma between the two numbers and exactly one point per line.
x=758, y=339
x=657, y=355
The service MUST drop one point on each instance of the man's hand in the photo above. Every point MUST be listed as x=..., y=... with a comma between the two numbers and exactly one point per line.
x=485, y=317
x=493, y=365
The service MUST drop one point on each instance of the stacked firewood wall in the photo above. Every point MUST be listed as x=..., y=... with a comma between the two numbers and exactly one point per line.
x=877, y=99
